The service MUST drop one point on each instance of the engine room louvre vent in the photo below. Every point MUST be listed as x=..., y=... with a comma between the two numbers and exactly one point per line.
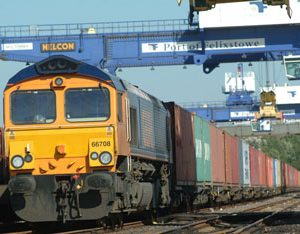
x=57, y=64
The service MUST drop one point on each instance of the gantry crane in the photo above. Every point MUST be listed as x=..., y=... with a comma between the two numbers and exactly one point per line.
x=149, y=43
x=268, y=108
x=204, y=5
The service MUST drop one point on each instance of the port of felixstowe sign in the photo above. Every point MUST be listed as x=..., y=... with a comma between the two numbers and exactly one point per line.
x=163, y=47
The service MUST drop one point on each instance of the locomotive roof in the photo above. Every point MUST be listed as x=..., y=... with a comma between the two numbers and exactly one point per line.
x=141, y=93
x=77, y=67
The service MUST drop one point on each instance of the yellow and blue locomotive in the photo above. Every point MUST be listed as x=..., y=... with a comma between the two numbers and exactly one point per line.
x=83, y=144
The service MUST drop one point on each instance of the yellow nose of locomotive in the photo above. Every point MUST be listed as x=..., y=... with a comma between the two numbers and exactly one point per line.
x=62, y=151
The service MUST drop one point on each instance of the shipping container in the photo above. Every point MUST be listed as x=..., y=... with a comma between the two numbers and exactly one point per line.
x=292, y=182
x=290, y=176
x=183, y=144
x=284, y=180
x=202, y=149
x=244, y=163
x=277, y=173
x=228, y=164
x=279, y=176
x=235, y=161
x=287, y=175
x=232, y=165
x=296, y=177
x=269, y=171
x=254, y=166
x=217, y=155
x=293, y=176
x=274, y=172
x=262, y=169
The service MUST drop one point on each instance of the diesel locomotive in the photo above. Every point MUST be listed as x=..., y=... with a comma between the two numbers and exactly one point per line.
x=83, y=144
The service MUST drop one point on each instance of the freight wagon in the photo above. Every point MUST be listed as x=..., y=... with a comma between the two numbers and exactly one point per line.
x=229, y=169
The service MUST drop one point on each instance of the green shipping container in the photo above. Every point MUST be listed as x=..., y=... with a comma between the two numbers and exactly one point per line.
x=202, y=145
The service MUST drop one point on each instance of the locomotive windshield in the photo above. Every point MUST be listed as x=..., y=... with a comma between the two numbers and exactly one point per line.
x=87, y=105
x=33, y=107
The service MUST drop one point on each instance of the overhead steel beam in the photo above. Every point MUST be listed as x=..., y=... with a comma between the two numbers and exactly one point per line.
x=144, y=47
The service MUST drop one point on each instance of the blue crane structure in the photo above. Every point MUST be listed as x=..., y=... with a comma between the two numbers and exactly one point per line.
x=114, y=45
x=149, y=43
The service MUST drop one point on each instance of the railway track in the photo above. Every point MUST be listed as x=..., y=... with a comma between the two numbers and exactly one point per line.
x=126, y=226
x=227, y=220
x=258, y=225
x=219, y=222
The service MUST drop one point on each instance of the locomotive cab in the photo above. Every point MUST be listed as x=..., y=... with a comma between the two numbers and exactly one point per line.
x=58, y=119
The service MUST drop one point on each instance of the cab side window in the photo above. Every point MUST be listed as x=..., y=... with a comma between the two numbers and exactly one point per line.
x=134, y=126
x=120, y=108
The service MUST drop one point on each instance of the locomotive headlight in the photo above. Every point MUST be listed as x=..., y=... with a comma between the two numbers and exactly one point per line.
x=58, y=81
x=94, y=155
x=17, y=161
x=28, y=158
x=105, y=158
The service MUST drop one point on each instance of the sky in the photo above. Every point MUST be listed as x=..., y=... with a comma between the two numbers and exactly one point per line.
x=169, y=83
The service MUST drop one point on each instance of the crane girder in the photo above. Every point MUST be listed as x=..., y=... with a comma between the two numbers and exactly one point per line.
x=205, y=5
x=175, y=46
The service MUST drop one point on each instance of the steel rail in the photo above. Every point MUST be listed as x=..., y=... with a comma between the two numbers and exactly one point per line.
x=198, y=225
x=260, y=221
